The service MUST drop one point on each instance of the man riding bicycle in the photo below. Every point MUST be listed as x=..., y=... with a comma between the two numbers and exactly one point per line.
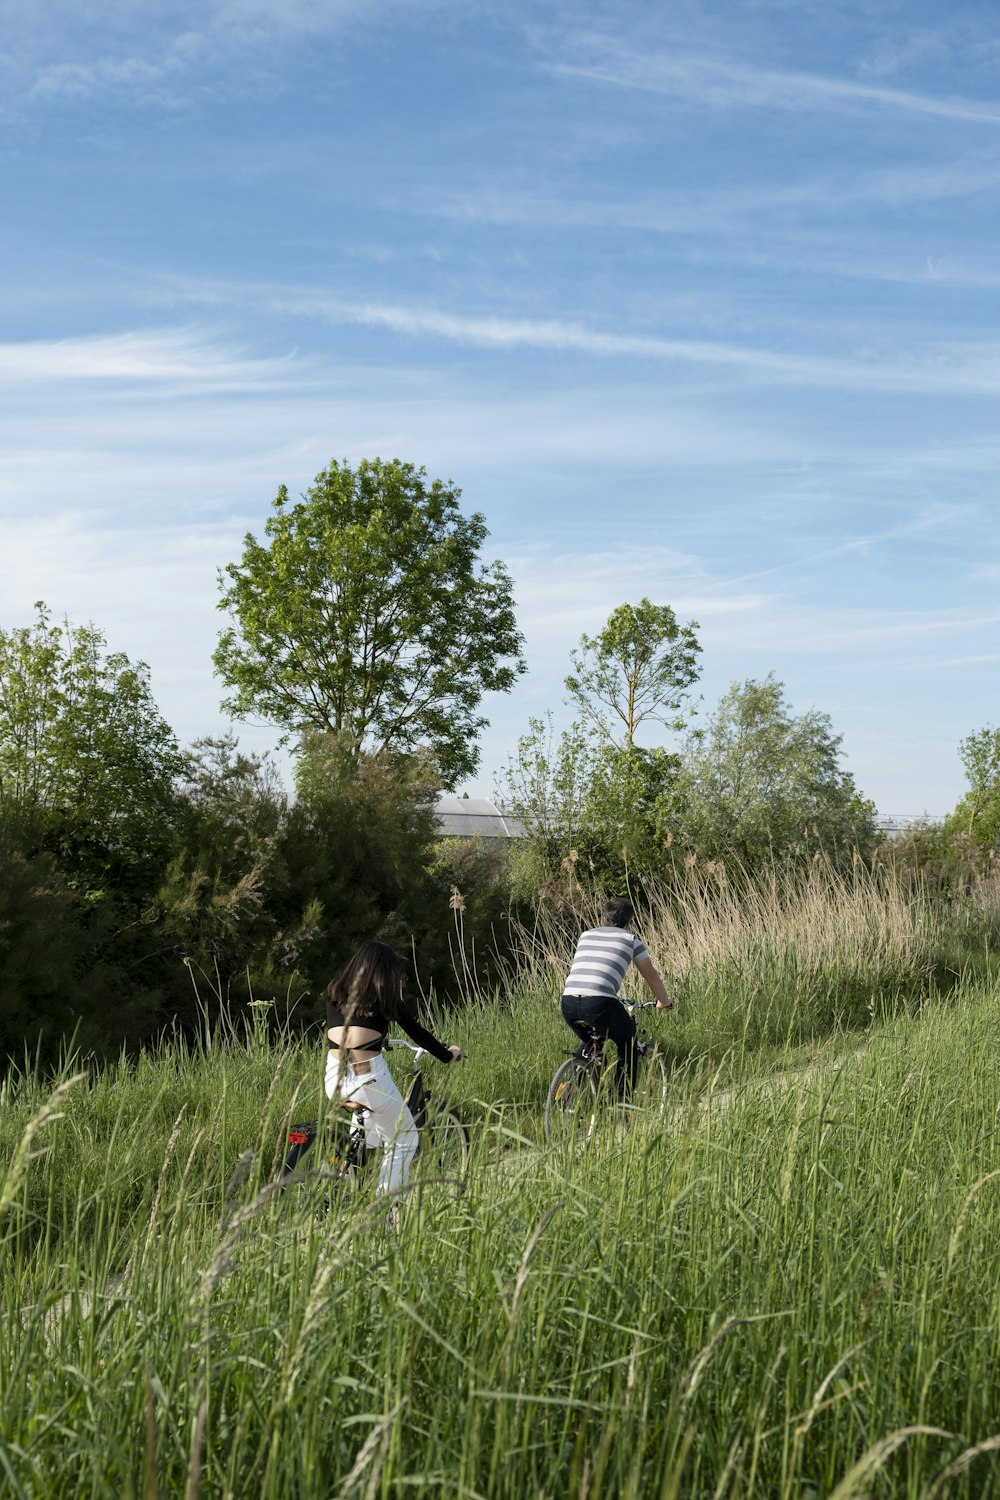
x=590, y=1002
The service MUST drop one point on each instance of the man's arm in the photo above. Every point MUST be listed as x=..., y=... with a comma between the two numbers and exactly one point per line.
x=652, y=977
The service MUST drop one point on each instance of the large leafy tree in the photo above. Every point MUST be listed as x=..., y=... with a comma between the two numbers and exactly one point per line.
x=760, y=783
x=86, y=759
x=638, y=668
x=593, y=796
x=367, y=613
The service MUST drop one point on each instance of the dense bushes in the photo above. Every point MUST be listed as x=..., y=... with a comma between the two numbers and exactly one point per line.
x=262, y=897
x=757, y=788
x=142, y=889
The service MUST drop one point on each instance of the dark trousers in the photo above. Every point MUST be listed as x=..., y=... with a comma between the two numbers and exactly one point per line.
x=608, y=1017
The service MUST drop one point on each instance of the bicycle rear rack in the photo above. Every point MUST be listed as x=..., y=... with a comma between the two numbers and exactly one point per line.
x=300, y=1138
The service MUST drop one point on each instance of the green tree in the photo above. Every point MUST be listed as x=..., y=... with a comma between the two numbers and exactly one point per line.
x=478, y=888
x=627, y=813
x=86, y=759
x=978, y=813
x=545, y=784
x=594, y=800
x=223, y=900
x=234, y=804
x=759, y=783
x=597, y=813
x=362, y=836
x=41, y=946
x=638, y=668
x=368, y=615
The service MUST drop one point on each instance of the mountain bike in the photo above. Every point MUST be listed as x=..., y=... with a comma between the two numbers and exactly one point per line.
x=344, y=1150
x=571, y=1106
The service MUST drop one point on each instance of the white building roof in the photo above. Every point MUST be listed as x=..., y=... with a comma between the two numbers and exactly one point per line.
x=475, y=818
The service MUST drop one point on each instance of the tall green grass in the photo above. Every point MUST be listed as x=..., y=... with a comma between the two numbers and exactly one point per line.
x=788, y=1287
x=787, y=959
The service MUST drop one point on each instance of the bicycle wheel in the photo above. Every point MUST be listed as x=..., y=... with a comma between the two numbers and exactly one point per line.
x=571, y=1104
x=444, y=1145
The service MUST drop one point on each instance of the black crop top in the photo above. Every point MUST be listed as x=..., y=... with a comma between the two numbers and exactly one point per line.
x=380, y=1023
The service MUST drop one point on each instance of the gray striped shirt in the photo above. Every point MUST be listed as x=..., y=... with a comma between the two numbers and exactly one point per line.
x=601, y=958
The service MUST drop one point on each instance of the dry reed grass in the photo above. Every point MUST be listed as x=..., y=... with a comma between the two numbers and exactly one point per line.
x=709, y=920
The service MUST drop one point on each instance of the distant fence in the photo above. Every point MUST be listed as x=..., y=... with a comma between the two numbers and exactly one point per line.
x=896, y=826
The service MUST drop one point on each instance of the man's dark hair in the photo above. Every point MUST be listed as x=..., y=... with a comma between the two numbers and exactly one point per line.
x=618, y=912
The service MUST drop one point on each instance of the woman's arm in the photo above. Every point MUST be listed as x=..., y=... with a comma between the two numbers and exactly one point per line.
x=652, y=977
x=423, y=1037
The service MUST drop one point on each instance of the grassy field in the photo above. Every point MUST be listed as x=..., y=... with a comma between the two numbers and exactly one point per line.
x=788, y=1287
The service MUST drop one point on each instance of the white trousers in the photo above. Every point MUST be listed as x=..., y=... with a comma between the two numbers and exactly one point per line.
x=390, y=1123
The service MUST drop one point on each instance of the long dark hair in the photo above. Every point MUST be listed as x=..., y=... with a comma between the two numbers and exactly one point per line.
x=369, y=983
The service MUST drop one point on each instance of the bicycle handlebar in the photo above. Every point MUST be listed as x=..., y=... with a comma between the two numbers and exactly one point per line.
x=400, y=1041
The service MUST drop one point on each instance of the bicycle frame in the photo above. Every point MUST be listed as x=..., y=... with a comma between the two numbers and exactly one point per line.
x=591, y=1052
x=302, y=1134
x=573, y=1091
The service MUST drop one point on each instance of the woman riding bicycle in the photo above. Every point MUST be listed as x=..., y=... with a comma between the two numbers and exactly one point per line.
x=590, y=1002
x=364, y=1000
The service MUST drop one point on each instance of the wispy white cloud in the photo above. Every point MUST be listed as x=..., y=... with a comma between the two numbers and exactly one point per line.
x=794, y=226
x=180, y=52
x=938, y=516
x=927, y=666
x=893, y=53
x=145, y=416
x=174, y=355
x=130, y=77
x=564, y=592
x=702, y=209
x=898, y=260
x=821, y=632
x=719, y=83
x=969, y=367
x=265, y=19
x=561, y=595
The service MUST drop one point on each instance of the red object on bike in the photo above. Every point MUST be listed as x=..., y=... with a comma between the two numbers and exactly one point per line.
x=297, y=1137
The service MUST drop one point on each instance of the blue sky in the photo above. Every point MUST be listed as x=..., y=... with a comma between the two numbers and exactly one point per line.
x=693, y=301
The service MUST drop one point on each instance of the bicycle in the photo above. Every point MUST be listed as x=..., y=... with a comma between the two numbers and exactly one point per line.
x=444, y=1140
x=571, y=1103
